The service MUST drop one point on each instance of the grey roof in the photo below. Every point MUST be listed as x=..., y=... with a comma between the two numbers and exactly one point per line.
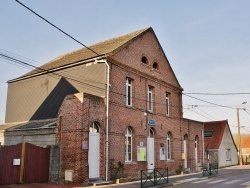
x=33, y=125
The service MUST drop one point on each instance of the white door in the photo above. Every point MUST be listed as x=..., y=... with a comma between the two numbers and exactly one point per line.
x=93, y=157
x=196, y=150
x=185, y=150
x=150, y=151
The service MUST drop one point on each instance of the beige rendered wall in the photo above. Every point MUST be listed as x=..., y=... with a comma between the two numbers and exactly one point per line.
x=26, y=96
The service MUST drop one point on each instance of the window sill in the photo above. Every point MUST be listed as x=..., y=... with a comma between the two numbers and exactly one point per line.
x=156, y=70
x=228, y=160
x=151, y=112
x=130, y=163
x=170, y=161
x=130, y=107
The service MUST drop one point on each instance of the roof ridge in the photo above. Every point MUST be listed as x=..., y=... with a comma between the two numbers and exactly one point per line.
x=107, y=46
x=123, y=35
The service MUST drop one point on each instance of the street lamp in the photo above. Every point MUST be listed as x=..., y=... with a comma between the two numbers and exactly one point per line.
x=239, y=136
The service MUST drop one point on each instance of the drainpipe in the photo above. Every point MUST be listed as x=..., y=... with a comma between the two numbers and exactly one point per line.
x=107, y=113
x=202, y=137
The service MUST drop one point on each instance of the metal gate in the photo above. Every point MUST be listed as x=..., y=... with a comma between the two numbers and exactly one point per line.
x=33, y=166
x=9, y=173
x=153, y=177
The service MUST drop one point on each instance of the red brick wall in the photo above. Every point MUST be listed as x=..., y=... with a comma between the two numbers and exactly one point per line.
x=75, y=118
x=127, y=63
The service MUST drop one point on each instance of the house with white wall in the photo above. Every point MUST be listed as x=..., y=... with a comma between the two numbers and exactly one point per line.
x=219, y=144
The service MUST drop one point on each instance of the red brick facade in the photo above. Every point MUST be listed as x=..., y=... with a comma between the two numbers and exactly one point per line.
x=76, y=116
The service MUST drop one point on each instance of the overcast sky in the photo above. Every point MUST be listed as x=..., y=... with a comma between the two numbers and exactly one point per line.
x=206, y=42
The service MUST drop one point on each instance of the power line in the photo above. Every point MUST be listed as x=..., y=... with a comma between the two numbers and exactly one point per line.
x=47, y=71
x=208, y=102
x=53, y=25
x=205, y=112
x=217, y=93
x=245, y=129
x=19, y=62
x=20, y=57
x=200, y=114
x=51, y=73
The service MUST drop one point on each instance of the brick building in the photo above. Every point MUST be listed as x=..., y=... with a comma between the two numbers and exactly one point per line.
x=118, y=104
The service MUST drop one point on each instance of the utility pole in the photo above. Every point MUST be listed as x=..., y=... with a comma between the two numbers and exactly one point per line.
x=239, y=137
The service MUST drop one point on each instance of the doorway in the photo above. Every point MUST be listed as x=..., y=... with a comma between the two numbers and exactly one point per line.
x=94, y=151
x=150, y=150
x=185, y=150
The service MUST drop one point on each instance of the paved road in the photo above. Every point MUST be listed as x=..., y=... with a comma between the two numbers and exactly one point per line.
x=234, y=178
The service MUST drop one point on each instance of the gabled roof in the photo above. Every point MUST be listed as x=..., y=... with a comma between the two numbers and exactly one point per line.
x=106, y=47
x=217, y=128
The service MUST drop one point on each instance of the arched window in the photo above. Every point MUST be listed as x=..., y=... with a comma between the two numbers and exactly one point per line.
x=169, y=146
x=155, y=65
x=94, y=128
x=151, y=133
x=128, y=145
x=144, y=60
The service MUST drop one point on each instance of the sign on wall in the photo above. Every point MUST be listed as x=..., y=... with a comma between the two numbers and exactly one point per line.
x=141, y=153
x=152, y=122
x=16, y=161
x=162, y=153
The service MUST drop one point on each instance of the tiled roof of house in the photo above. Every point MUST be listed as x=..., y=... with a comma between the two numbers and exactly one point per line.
x=102, y=48
x=30, y=125
x=217, y=128
x=245, y=142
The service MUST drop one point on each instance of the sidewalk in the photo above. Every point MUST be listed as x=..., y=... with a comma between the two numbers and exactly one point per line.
x=179, y=179
x=173, y=180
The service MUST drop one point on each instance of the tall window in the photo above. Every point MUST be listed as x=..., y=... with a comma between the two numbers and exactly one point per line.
x=150, y=98
x=129, y=92
x=128, y=145
x=167, y=103
x=228, y=154
x=196, y=149
x=169, y=146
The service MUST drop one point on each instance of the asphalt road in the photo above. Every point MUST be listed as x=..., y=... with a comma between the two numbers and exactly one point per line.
x=239, y=178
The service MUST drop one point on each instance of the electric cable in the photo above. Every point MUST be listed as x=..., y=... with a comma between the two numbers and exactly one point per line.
x=208, y=102
x=217, y=93
x=53, y=25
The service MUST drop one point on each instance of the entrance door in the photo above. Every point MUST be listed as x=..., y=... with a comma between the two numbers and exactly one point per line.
x=185, y=150
x=94, y=151
x=150, y=151
x=196, y=150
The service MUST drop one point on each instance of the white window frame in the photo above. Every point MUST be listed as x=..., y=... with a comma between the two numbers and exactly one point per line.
x=150, y=98
x=128, y=145
x=94, y=127
x=129, y=92
x=167, y=103
x=168, y=146
x=228, y=154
